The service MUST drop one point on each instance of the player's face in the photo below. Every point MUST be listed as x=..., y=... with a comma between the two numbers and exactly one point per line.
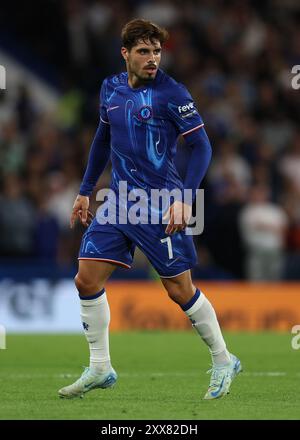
x=142, y=61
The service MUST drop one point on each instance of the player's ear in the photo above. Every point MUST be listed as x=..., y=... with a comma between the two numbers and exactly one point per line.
x=124, y=53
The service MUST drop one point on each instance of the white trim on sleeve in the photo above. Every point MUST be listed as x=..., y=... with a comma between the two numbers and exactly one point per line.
x=105, y=122
x=192, y=129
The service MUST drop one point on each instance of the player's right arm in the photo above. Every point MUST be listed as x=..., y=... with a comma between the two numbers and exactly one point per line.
x=97, y=161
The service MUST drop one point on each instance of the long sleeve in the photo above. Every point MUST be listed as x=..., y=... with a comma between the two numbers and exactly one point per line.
x=100, y=149
x=186, y=118
x=199, y=160
x=98, y=158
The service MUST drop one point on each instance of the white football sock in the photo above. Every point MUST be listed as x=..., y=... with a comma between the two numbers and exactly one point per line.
x=95, y=317
x=203, y=317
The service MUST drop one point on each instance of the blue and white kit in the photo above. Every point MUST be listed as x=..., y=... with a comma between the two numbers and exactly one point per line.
x=138, y=130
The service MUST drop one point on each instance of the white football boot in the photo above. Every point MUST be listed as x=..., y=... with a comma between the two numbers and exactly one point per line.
x=222, y=377
x=89, y=380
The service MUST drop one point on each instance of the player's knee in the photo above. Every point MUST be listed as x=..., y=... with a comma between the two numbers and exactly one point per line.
x=180, y=293
x=80, y=283
x=86, y=286
x=176, y=294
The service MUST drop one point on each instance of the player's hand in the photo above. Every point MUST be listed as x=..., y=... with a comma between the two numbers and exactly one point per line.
x=81, y=210
x=179, y=215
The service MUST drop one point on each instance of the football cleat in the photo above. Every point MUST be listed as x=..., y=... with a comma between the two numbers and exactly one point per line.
x=222, y=377
x=88, y=381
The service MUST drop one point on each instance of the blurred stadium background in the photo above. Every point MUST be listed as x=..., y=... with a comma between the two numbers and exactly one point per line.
x=236, y=60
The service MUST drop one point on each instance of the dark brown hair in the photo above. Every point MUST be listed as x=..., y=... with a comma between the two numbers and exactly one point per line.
x=142, y=30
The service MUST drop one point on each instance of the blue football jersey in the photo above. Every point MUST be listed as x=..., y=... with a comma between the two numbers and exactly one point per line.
x=144, y=125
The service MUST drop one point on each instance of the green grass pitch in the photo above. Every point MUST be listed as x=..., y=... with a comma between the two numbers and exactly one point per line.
x=161, y=376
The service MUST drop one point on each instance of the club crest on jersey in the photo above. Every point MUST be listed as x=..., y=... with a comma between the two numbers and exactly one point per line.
x=145, y=113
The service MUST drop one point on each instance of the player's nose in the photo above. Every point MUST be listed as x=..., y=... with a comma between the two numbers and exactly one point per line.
x=152, y=58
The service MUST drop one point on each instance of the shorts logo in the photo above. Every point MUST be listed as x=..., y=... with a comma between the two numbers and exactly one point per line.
x=145, y=113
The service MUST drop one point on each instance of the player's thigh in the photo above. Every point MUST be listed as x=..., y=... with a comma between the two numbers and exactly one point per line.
x=93, y=273
x=106, y=243
x=169, y=255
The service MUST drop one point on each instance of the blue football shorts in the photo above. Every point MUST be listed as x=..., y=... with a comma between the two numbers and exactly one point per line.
x=170, y=255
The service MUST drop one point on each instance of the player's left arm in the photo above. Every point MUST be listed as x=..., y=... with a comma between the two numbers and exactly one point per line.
x=185, y=116
x=199, y=160
x=198, y=163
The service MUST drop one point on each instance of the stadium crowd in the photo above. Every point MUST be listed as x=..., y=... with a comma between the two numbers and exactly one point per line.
x=234, y=57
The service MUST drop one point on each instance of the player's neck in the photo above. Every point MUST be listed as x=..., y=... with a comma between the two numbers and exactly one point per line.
x=135, y=82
